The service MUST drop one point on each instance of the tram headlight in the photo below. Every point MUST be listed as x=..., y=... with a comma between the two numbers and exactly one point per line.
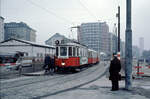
x=62, y=64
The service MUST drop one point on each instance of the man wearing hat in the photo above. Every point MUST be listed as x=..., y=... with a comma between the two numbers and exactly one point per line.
x=115, y=67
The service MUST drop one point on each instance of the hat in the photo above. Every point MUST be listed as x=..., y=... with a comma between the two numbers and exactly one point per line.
x=114, y=54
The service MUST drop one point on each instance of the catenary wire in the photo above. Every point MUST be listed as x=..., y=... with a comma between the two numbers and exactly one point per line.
x=50, y=12
x=90, y=13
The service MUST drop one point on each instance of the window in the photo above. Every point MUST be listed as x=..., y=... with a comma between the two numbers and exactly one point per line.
x=63, y=51
x=41, y=55
x=57, y=51
x=70, y=51
x=74, y=51
x=38, y=55
x=26, y=54
x=77, y=51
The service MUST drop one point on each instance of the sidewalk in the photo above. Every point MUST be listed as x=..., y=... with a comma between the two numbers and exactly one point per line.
x=100, y=89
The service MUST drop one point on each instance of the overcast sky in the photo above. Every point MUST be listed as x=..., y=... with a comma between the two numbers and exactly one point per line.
x=48, y=17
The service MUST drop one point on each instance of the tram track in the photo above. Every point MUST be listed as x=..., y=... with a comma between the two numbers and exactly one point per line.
x=43, y=79
x=72, y=88
x=32, y=81
x=51, y=83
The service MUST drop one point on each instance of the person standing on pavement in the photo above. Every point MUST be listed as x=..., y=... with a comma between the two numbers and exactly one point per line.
x=52, y=65
x=47, y=63
x=115, y=67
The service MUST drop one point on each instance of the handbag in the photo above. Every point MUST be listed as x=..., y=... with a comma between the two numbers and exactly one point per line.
x=119, y=76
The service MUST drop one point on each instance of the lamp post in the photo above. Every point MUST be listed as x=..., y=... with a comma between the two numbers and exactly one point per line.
x=128, y=48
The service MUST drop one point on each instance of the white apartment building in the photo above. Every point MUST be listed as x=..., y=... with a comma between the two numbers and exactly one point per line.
x=1, y=29
x=95, y=35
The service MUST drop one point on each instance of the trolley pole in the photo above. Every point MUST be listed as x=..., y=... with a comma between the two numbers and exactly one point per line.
x=128, y=47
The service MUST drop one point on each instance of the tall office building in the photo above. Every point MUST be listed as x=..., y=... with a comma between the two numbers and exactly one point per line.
x=95, y=35
x=1, y=29
x=141, y=45
x=19, y=31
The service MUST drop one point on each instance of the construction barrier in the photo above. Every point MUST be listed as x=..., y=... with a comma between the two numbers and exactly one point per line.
x=142, y=70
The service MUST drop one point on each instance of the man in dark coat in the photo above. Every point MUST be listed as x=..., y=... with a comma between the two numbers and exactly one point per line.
x=47, y=62
x=115, y=67
x=52, y=65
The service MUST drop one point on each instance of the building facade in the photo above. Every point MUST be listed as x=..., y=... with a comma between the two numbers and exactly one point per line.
x=19, y=31
x=1, y=29
x=31, y=48
x=95, y=35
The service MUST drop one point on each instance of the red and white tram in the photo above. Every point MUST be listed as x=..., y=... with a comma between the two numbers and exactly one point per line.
x=74, y=55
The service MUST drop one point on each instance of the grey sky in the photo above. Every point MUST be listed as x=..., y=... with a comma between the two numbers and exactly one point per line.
x=39, y=16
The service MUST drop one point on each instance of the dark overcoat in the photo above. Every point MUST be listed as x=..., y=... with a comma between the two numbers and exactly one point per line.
x=52, y=62
x=115, y=67
x=47, y=60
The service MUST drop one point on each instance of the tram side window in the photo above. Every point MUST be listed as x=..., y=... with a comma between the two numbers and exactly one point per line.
x=70, y=51
x=74, y=51
x=27, y=54
x=63, y=51
x=81, y=52
x=89, y=54
x=77, y=51
x=56, y=51
x=38, y=54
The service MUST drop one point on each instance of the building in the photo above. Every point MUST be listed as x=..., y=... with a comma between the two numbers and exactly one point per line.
x=141, y=45
x=31, y=49
x=95, y=35
x=135, y=52
x=1, y=29
x=57, y=37
x=19, y=31
x=113, y=43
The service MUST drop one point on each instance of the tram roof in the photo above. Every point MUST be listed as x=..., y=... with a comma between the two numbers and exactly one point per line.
x=72, y=44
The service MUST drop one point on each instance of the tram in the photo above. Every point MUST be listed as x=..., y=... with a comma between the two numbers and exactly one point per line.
x=74, y=56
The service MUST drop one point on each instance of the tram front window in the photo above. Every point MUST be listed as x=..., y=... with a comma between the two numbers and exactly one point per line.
x=56, y=51
x=63, y=51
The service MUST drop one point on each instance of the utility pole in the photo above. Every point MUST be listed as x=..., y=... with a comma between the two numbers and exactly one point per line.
x=0, y=7
x=118, y=15
x=128, y=48
x=116, y=41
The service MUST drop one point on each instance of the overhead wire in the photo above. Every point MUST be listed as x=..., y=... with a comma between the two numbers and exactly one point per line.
x=50, y=12
x=90, y=13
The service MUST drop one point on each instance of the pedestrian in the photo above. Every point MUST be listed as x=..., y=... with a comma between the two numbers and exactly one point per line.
x=52, y=65
x=115, y=67
x=47, y=63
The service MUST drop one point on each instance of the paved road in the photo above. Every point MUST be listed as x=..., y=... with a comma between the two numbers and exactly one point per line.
x=46, y=86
